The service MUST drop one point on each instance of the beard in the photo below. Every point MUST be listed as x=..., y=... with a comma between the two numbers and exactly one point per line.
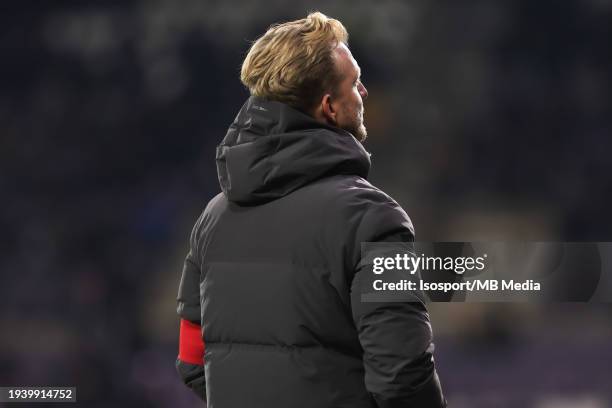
x=356, y=126
x=361, y=133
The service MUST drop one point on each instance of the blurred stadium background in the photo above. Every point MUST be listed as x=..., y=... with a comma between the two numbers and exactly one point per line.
x=487, y=119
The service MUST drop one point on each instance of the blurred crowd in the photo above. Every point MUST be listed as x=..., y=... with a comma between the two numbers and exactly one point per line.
x=486, y=120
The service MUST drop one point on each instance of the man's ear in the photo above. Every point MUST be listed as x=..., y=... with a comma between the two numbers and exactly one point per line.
x=327, y=110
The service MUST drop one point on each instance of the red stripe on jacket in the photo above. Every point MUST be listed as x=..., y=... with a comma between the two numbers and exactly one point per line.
x=191, y=344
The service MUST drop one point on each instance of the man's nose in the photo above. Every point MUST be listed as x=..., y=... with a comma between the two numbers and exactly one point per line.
x=363, y=91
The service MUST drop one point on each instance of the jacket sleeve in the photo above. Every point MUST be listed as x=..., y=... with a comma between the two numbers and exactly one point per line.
x=396, y=336
x=190, y=361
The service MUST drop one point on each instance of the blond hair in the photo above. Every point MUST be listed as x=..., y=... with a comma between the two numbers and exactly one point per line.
x=293, y=62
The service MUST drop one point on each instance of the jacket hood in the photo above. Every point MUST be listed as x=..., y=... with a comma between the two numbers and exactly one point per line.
x=272, y=149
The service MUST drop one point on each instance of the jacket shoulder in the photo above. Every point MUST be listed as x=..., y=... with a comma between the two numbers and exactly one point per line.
x=370, y=213
x=206, y=222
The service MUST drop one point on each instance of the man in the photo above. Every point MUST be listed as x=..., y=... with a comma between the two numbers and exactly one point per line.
x=271, y=281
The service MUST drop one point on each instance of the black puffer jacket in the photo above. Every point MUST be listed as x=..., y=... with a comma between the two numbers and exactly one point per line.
x=272, y=276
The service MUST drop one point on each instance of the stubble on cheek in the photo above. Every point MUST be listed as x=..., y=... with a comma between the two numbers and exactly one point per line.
x=361, y=131
x=354, y=123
